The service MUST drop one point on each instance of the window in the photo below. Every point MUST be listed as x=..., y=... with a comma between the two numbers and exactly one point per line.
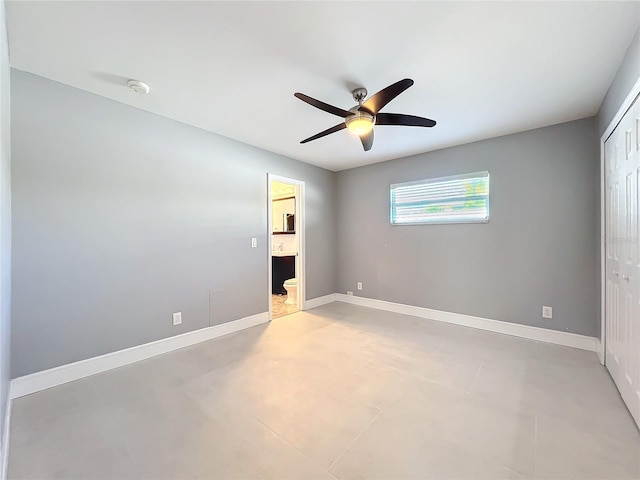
x=456, y=199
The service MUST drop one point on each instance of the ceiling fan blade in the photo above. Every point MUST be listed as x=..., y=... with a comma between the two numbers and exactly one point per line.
x=384, y=96
x=326, y=132
x=406, y=120
x=367, y=141
x=323, y=106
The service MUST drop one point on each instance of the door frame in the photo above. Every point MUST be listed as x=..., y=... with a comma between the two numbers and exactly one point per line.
x=626, y=104
x=300, y=237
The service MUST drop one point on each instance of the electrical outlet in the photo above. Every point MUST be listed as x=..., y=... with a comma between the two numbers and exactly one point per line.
x=350, y=293
x=254, y=242
x=547, y=312
x=359, y=285
x=177, y=318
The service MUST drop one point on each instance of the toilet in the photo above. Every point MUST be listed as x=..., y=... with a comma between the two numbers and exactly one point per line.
x=291, y=286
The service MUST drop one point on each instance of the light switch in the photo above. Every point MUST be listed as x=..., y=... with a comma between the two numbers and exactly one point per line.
x=254, y=242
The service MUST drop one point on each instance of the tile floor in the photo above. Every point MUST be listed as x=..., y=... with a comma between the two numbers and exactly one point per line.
x=278, y=307
x=337, y=392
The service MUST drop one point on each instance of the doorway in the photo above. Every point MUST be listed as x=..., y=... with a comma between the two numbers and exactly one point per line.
x=285, y=200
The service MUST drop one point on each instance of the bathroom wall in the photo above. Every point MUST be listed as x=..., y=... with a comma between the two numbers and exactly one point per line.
x=284, y=202
x=285, y=242
x=122, y=217
x=280, y=208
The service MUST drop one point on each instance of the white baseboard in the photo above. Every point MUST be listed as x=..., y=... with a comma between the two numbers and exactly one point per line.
x=533, y=333
x=5, y=437
x=600, y=350
x=38, y=381
x=319, y=301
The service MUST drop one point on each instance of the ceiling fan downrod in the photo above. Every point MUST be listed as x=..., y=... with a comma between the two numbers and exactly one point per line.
x=359, y=94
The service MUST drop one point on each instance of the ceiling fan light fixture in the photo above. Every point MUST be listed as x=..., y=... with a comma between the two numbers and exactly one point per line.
x=360, y=123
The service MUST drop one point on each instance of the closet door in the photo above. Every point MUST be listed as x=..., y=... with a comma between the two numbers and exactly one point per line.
x=622, y=276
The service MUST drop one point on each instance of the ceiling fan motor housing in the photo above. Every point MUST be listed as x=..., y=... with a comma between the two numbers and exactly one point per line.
x=359, y=94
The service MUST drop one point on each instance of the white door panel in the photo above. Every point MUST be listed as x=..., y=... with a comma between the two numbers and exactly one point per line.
x=622, y=263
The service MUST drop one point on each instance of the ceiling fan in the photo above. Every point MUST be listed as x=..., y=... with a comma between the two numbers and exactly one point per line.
x=361, y=118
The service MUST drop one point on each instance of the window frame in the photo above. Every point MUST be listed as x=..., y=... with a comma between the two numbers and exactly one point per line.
x=428, y=181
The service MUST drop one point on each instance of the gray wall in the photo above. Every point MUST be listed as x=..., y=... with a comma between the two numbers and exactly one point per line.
x=539, y=247
x=5, y=220
x=627, y=75
x=122, y=217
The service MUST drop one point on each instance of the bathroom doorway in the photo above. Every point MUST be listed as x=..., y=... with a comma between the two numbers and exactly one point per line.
x=285, y=201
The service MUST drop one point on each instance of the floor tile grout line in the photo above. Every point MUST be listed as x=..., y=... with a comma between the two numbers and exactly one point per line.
x=331, y=475
x=514, y=471
x=134, y=461
x=354, y=441
x=425, y=379
x=313, y=461
x=475, y=377
x=535, y=446
x=337, y=390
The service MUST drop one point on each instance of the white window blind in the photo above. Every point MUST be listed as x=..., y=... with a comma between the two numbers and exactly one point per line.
x=456, y=199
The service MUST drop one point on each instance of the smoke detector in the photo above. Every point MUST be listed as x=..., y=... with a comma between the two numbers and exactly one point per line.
x=138, y=87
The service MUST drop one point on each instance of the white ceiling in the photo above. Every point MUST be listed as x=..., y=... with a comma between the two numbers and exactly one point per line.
x=480, y=69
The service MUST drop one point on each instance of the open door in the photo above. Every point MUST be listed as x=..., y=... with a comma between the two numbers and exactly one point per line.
x=286, y=229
